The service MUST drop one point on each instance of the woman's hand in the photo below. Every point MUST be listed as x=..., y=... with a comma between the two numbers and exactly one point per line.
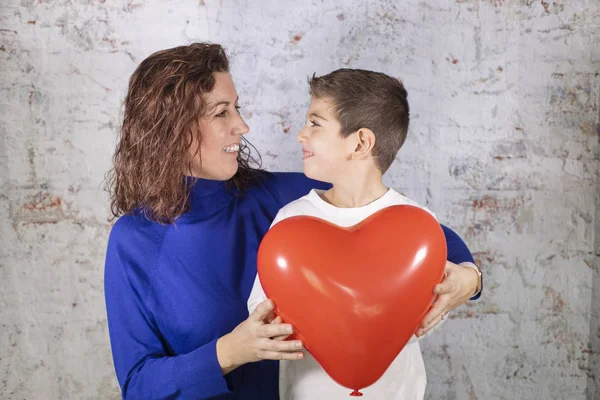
x=458, y=286
x=260, y=337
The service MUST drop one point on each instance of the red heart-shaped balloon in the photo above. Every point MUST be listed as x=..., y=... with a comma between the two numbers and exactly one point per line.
x=354, y=295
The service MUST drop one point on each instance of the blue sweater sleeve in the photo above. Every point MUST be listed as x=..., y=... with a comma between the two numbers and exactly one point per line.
x=144, y=368
x=458, y=252
x=290, y=186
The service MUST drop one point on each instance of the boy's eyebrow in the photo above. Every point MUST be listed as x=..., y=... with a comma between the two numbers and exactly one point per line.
x=314, y=114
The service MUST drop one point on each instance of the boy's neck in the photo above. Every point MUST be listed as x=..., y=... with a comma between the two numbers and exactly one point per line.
x=356, y=190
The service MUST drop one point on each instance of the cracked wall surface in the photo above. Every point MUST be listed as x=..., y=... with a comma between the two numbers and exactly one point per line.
x=503, y=146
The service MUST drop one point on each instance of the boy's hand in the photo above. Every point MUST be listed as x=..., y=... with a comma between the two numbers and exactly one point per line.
x=456, y=288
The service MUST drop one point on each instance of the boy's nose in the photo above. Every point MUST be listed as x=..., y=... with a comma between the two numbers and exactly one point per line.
x=301, y=137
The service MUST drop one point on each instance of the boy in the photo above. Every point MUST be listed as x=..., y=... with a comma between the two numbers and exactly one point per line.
x=356, y=123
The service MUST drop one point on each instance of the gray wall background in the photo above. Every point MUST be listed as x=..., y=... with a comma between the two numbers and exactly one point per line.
x=503, y=146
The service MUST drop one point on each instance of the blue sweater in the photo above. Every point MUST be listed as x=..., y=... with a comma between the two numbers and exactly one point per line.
x=173, y=290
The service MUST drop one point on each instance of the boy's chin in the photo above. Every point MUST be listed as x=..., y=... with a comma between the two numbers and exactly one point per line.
x=315, y=175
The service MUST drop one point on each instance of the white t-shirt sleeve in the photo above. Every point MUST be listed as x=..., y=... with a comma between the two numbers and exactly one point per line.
x=257, y=295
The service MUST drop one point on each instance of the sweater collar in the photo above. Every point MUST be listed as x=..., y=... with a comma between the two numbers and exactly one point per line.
x=207, y=196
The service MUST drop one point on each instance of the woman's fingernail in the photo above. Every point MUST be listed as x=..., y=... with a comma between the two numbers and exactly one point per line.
x=298, y=345
x=289, y=330
x=300, y=355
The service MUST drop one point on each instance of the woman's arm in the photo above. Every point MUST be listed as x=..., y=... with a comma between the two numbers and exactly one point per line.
x=459, y=253
x=460, y=283
x=290, y=186
x=144, y=368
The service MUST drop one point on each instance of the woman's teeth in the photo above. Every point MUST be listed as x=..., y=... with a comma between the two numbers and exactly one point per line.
x=234, y=148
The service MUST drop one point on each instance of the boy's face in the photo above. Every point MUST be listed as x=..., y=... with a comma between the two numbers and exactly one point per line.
x=325, y=152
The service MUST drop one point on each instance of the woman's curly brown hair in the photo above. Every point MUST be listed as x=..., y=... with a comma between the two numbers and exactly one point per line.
x=162, y=108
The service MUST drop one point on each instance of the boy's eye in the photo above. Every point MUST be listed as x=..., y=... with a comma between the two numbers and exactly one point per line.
x=313, y=123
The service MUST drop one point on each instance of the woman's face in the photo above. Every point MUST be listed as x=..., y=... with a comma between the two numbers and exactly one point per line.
x=221, y=128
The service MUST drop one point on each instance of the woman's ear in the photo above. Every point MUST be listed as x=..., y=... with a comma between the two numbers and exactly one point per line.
x=365, y=143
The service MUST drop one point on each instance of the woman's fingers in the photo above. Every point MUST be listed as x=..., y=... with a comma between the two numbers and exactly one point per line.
x=430, y=326
x=275, y=330
x=274, y=355
x=264, y=334
x=449, y=296
x=285, y=346
x=443, y=288
x=278, y=320
x=262, y=311
x=280, y=350
x=441, y=306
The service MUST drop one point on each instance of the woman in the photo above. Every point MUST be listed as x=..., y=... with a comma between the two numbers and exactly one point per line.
x=181, y=259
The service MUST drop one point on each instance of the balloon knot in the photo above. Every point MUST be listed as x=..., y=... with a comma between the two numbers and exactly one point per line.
x=356, y=393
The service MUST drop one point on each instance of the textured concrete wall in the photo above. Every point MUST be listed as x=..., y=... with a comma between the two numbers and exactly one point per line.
x=503, y=146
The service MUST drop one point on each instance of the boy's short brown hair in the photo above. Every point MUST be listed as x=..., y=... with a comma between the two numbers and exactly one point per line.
x=367, y=99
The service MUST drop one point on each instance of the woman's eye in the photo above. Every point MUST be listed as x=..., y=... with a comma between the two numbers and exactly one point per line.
x=313, y=123
x=221, y=114
x=237, y=108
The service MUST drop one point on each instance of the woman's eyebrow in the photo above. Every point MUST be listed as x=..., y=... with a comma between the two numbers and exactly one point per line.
x=226, y=102
x=212, y=107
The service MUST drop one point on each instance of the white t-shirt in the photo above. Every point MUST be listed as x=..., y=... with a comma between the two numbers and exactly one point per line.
x=305, y=379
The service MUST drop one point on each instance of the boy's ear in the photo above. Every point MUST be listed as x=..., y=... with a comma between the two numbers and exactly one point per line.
x=365, y=142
